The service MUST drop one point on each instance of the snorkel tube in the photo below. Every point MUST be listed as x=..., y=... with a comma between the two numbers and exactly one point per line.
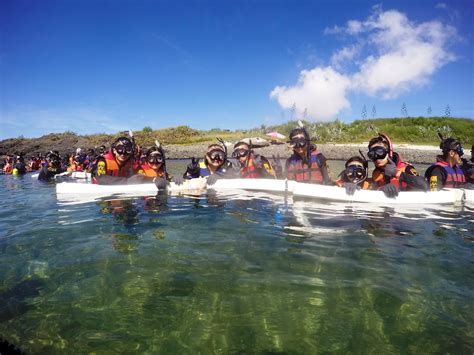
x=221, y=141
x=361, y=159
x=160, y=149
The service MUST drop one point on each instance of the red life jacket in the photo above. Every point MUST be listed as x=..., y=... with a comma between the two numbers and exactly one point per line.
x=301, y=172
x=147, y=170
x=454, y=175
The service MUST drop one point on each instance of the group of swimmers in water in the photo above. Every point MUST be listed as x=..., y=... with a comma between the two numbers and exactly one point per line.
x=126, y=163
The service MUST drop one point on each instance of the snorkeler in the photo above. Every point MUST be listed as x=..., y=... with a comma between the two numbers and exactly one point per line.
x=51, y=167
x=355, y=175
x=251, y=165
x=391, y=174
x=306, y=164
x=447, y=172
x=214, y=166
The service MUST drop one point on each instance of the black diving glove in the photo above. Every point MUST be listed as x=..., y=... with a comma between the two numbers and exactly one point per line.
x=211, y=180
x=351, y=188
x=416, y=182
x=276, y=165
x=390, y=190
x=192, y=169
x=161, y=183
x=178, y=180
x=390, y=169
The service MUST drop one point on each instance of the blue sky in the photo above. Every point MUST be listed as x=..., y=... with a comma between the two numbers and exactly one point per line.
x=103, y=66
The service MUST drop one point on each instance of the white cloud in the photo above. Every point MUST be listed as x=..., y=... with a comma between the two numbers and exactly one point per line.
x=354, y=27
x=400, y=56
x=344, y=55
x=321, y=91
x=406, y=54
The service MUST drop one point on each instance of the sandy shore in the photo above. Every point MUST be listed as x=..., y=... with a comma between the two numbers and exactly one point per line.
x=409, y=153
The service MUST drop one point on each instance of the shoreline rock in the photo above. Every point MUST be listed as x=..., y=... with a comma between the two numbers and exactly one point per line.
x=412, y=154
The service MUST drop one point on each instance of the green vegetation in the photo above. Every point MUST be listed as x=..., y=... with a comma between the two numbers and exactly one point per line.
x=417, y=130
x=414, y=130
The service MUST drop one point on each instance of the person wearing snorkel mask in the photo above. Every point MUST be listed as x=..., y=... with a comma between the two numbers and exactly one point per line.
x=252, y=166
x=447, y=172
x=51, y=167
x=215, y=164
x=19, y=167
x=154, y=167
x=391, y=174
x=306, y=164
x=354, y=176
x=117, y=166
x=8, y=167
x=77, y=161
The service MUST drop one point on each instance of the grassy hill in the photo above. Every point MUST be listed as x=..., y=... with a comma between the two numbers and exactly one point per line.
x=414, y=130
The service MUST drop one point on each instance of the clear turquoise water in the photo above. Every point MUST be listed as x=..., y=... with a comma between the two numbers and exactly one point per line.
x=252, y=273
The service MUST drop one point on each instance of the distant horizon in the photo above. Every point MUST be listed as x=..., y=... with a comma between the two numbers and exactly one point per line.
x=101, y=66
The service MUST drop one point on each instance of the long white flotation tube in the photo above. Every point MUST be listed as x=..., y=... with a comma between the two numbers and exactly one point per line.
x=302, y=190
x=73, y=175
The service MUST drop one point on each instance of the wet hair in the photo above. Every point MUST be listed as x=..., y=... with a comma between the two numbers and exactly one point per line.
x=299, y=130
x=122, y=140
x=359, y=159
x=215, y=146
x=239, y=143
x=376, y=140
x=155, y=149
x=449, y=144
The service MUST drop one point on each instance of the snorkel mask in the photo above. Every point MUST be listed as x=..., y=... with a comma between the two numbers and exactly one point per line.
x=299, y=142
x=216, y=155
x=217, y=152
x=123, y=146
x=376, y=153
x=450, y=144
x=354, y=172
x=241, y=152
x=155, y=158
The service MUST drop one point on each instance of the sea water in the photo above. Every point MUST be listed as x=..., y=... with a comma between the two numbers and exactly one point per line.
x=248, y=273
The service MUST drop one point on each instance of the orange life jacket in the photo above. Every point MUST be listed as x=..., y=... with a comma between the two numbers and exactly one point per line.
x=378, y=176
x=113, y=169
x=147, y=170
x=256, y=171
x=364, y=186
x=8, y=168
x=301, y=172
